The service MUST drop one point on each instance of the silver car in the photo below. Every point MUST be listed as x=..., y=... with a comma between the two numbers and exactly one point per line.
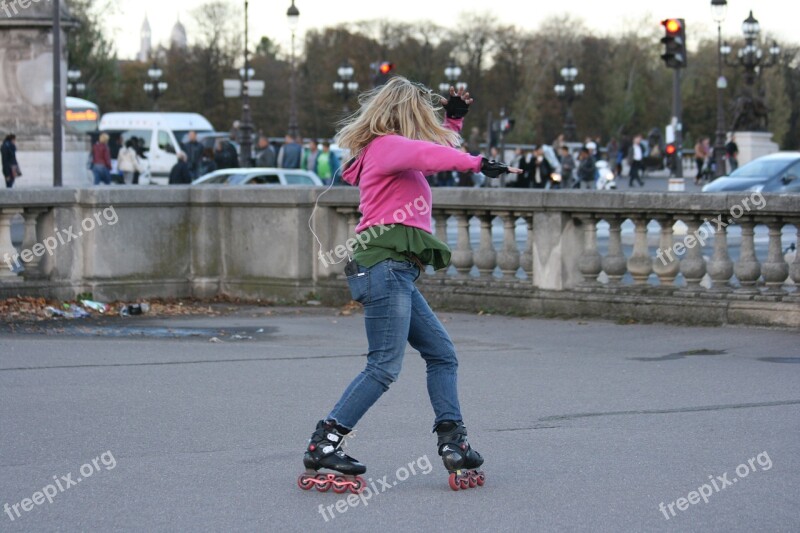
x=261, y=176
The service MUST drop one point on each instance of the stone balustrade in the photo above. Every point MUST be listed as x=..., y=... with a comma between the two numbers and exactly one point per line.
x=709, y=258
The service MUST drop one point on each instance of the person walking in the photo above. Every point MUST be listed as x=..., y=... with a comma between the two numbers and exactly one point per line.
x=327, y=164
x=396, y=139
x=568, y=180
x=207, y=163
x=8, y=152
x=266, y=157
x=636, y=157
x=180, y=174
x=128, y=162
x=290, y=154
x=700, y=155
x=194, y=154
x=732, y=152
x=101, y=161
x=309, y=158
x=586, y=169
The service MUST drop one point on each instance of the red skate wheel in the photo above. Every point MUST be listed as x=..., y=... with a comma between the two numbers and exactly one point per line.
x=358, y=486
x=453, y=482
x=473, y=480
x=463, y=483
x=481, y=479
x=305, y=482
x=340, y=485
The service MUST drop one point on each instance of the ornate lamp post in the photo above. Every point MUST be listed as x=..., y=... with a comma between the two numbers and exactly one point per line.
x=293, y=16
x=751, y=112
x=155, y=88
x=719, y=9
x=569, y=91
x=345, y=85
x=74, y=85
x=246, y=126
x=452, y=72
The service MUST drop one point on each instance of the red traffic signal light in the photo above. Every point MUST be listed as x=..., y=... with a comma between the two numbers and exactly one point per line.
x=672, y=25
x=386, y=67
x=671, y=149
x=674, y=40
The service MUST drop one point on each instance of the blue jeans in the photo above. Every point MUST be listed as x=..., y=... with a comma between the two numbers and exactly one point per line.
x=395, y=313
x=101, y=174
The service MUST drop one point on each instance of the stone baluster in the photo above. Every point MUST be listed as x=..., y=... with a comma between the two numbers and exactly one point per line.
x=666, y=265
x=794, y=268
x=33, y=270
x=7, y=250
x=640, y=265
x=590, y=264
x=509, y=257
x=693, y=266
x=614, y=264
x=775, y=269
x=462, y=255
x=747, y=268
x=720, y=267
x=526, y=258
x=440, y=219
x=486, y=256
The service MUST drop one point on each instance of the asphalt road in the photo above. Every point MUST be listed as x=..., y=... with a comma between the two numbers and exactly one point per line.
x=584, y=426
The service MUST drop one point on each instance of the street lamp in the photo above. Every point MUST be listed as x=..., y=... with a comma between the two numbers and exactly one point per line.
x=751, y=113
x=452, y=72
x=155, y=88
x=751, y=57
x=345, y=85
x=246, y=124
x=293, y=17
x=719, y=9
x=569, y=91
x=74, y=85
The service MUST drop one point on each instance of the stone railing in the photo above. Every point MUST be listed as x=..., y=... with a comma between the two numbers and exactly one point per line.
x=647, y=256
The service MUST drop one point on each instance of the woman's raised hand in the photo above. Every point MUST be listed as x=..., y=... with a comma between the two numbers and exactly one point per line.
x=457, y=105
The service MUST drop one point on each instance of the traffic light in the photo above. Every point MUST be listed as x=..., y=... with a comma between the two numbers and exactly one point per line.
x=383, y=72
x=671, y=149
x=674, y=40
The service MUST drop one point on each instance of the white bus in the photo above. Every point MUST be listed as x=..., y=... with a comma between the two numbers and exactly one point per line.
x=81, y=116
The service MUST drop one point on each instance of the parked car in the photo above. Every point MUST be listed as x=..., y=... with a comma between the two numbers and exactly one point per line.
x=778, y=172
x=260, y=176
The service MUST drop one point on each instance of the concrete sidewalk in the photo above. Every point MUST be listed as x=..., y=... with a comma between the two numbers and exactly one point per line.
x=584, y=426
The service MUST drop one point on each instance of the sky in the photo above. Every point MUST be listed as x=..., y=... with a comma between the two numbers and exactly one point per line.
x=606, y=17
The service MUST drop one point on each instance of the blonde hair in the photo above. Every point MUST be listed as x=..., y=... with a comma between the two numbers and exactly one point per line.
x=399, y=107
x=103, y=138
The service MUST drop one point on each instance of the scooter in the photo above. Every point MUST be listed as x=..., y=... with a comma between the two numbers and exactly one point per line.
x=606, y=180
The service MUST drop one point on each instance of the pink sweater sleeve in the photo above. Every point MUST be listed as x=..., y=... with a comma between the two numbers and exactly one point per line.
x=397, y=154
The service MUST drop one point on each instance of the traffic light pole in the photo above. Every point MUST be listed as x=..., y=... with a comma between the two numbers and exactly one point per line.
x=676, y=117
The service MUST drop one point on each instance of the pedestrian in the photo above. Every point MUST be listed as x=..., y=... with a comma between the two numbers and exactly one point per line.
x=636, y=158
x=101, y=161
x=541, y=174
x=194, y=154
x=700, y=154
x=327, y=164
x=225, y=155
x=180, y=174
x=732, y=151
x=309, y=159
x=266, y=157
x=207, y=163
x=128, y=162
x=396, y=138
x=11, y=169
x=290, y=154
x=139, y=146
x=568, y=169
x=612, y=148
x=586, y=169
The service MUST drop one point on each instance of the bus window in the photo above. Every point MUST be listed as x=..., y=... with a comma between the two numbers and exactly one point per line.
x=81, y=116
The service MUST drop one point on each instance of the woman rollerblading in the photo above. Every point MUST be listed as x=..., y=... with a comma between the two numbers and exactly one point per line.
x=397, y=138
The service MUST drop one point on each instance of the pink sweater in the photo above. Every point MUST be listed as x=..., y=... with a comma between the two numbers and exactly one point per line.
x=390, y=175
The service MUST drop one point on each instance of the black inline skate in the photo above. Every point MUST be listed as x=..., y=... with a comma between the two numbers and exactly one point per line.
x=458, y=457
x=324, y=451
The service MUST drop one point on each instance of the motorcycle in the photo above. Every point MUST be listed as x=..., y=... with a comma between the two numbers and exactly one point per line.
x=606, y=180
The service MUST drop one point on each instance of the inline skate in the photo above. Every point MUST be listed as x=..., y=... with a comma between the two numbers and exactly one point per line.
x=324, y=451
x=458, y=457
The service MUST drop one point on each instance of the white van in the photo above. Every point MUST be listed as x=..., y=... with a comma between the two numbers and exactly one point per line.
x=158, y=133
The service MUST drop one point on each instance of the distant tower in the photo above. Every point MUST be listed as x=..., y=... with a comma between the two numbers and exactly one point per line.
x=178, y=38
x=146, y=44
